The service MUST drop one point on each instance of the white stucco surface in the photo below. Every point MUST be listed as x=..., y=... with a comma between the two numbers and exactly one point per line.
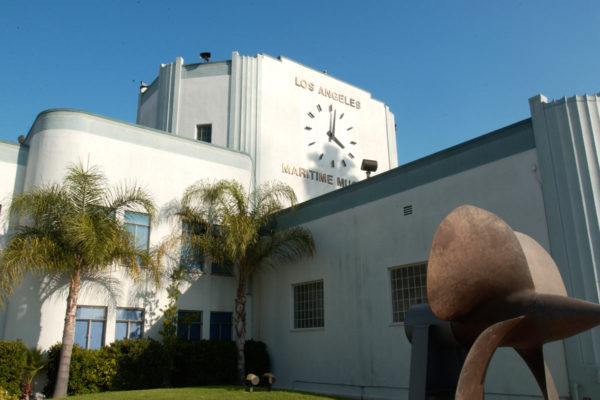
x=165, y=166
x=359, y=344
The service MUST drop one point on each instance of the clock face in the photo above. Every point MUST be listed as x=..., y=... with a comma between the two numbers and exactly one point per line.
x=331, y=137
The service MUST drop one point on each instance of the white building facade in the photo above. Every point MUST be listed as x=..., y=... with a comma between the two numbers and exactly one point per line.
x=258, y=119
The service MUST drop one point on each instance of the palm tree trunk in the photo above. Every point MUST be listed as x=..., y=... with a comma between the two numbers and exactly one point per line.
x=240, y=328
x=62, y=377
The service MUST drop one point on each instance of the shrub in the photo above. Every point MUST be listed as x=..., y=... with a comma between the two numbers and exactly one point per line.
x=140, y=364
x=145, y=363
x=257, y=358
x=91, y=370
x=4, y=395
x=12, y=364
x=204, y=362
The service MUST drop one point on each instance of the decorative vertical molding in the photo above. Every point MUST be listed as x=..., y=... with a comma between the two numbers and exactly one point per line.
x=244, y=106
x=391, y=138
x=567, y=135
x=176, y=89
x=168, y=96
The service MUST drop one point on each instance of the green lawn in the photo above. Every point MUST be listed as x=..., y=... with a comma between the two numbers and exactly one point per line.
x=202, y=393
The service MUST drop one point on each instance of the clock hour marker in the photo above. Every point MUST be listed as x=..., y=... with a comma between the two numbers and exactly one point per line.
x=321, y=156
x=310, y=144
x=350, y=155
x=332, y=163
x=353, y=142
x=330, y=107
x=311, y=115
x=343, y=163
x=319, y=107
x=349, y=128
x=341, y=115
x=308, y=128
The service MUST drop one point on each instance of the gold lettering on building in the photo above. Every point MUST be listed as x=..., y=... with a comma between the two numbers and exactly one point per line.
x=314, y=175
x=310, y=86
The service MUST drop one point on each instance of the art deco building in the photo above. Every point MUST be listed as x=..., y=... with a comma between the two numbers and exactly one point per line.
x=257, y=119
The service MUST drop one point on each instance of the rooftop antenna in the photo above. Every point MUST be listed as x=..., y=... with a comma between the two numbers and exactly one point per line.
x=205, y=56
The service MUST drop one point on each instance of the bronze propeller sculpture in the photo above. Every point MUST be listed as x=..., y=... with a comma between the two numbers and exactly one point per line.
x=499, y=287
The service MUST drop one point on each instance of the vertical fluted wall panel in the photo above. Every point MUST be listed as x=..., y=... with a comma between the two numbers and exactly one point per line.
x=567, y=134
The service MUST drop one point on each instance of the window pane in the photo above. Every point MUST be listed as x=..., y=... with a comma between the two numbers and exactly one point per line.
x=220, y=326
x=195, y=332
x=81, y=328
x=141, y=237
x=135, y=330
x=204, y=132
x=96, y=334
x=129, y=314
x=191, y=254
x=121, y=330
x=308, y=305
x=91, y=312
x=190, y=316
x=131, y=229
x=137, y=218
x=409, y=287
x=182, y=331
x=220, y=270
x=222, y=317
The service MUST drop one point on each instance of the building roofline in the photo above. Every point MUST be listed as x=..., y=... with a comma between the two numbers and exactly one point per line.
x=498, y=144
x=65, y=118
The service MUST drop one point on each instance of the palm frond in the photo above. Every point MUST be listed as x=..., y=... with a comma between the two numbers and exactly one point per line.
x=282, y=246
x=130, y=197
x=84, y=185
x=73, y=226
x=237, y=229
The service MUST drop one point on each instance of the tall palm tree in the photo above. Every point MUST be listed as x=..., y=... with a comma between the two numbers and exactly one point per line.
x=74, y=229
x=239, y=231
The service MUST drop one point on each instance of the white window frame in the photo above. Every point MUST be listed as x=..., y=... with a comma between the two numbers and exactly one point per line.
x=89, y=326
x=129, y=321
x=136, y=227
x=199, y=322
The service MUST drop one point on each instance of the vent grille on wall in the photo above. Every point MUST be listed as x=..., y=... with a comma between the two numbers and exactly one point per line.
x=408, y=209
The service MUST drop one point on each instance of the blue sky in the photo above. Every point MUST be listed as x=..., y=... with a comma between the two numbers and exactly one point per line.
x=449, y=70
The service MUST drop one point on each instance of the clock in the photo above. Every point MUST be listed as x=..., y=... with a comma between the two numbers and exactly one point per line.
x=331, y=137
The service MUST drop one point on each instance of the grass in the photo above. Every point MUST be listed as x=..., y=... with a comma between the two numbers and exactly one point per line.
x=203, y=393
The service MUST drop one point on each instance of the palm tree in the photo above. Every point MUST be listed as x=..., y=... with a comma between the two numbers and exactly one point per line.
x=239, y=231
x=73, y=229
x=34, y=362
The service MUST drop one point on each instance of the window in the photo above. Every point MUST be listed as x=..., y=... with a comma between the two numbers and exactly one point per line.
x=219, y=269
x=130, y=323
x=89, y=327
x=308, y=305
x=192, y=257
x=138, y=225
x=220, y=326
x=204, y=132
x=409, y=287
x=189, y=325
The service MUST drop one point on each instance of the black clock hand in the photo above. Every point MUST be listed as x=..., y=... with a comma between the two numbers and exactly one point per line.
x=333, y=128
x=332, y=136
x=329, y=132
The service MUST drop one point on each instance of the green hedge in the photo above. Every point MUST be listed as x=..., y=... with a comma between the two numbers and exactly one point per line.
x=91, y=370
x=12, y=364
x=145, y=363
x=141, y=364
